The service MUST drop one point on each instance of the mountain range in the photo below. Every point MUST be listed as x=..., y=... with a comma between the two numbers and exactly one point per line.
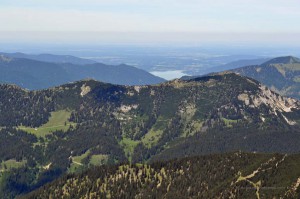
x=51, y=58
x=281, y=74
x=235, y=64
x=140, y=135
x=66, y=129
x=33, y=74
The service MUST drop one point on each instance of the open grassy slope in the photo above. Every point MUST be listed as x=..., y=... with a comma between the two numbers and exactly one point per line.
x=59, y=121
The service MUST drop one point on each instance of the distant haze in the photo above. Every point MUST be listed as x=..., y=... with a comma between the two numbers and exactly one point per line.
x=143, y=21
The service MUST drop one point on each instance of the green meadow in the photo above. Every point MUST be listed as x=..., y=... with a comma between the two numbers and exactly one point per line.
x=59, y=121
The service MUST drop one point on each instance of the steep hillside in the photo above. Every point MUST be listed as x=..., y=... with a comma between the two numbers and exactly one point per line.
x=32, y=74
x=69, y=128
x=235, y=175
x=281, y=74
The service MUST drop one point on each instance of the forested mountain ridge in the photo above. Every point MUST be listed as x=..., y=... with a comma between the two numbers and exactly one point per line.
x=35, y=75
x=51, y=58
x=66, y=129
x=281, y=74
x=233, y=65
x=234, y=175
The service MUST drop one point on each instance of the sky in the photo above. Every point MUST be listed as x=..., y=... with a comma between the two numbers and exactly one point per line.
x=91, y=21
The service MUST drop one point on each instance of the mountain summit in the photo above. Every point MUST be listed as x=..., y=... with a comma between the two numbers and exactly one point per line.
x=283, y=60
x=281, y=74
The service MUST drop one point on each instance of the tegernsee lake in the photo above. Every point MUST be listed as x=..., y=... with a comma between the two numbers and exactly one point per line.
x=169, y=75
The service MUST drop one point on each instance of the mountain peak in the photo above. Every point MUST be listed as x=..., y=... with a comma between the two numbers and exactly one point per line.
x=281, y=74
x=283, y=60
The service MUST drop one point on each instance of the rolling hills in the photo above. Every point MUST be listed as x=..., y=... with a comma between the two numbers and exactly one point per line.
x=33, y=74
x=102, y=123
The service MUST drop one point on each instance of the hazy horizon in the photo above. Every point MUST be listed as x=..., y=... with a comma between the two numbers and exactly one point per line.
x=189, y=22
x=181, y=37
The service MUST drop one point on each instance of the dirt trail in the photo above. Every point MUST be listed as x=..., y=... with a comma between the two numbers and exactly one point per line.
x=77, y=163
x=257, y=185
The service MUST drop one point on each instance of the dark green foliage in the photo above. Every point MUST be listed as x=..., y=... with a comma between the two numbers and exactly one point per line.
x=19, y=107
x=213, y=176
x=16, y=144
x=245, y=139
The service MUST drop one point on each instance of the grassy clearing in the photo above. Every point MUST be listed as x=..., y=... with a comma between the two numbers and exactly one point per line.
x=99, y=159
x=155, y=133
x=152, y=137
x=78, y=159
x=59, y=120
x=149, y=139
x=128, y=146
x=77, y=162
x=10, y=164
x=192, y=128
x=74, y=168
x=78, y=165
x=229, y=122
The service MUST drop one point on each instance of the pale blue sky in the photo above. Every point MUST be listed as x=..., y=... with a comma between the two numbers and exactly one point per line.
x=157, y=20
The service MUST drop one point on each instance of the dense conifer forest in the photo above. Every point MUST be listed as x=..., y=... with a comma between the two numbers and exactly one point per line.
x=233, y=175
